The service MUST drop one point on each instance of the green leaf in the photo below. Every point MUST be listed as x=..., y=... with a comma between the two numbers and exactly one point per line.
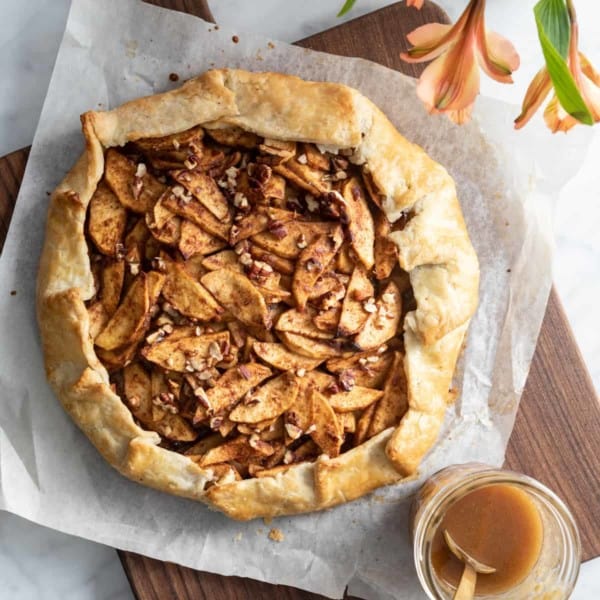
x=346, y=8
x=554, y=18
x=562, y=80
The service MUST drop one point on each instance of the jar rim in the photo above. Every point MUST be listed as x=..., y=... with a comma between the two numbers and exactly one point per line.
x=441, y=500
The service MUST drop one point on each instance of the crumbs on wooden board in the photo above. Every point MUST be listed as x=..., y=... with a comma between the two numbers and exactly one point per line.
x=276, y=535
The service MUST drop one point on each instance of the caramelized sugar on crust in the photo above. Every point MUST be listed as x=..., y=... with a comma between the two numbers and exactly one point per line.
x=252, y=327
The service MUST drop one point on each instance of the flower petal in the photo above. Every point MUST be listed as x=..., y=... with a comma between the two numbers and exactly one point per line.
x=591, y=96
x=416, y=3
x=588, y=69
x=429, y=41
x=426, y=32
x=557, y=119
x=451, y=81
x=537, y=91
x=460, y=117
x=497, y=56
x=428, y=35
x=590, y=92
x=502, y=51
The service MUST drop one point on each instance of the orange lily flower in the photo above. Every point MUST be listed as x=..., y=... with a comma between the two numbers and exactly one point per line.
x=587, y=80
x=450, y=83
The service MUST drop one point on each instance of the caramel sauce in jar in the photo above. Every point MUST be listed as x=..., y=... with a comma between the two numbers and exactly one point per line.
x=498, y=525
x=503, y=519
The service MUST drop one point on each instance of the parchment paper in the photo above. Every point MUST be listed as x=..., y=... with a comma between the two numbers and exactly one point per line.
x=116, y=50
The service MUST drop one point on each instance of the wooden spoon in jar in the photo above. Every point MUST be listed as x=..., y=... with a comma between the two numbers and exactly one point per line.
x=466, y=586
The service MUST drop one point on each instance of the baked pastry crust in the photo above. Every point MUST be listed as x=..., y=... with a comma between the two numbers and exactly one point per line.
x=434, y=248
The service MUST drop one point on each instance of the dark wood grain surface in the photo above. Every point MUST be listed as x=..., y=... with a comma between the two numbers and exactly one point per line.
x=556, y=438
x=12, y=168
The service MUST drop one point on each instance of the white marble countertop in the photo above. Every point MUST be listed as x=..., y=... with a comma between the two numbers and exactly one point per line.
x=39, y=563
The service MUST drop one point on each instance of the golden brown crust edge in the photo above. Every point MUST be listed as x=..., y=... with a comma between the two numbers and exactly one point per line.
x=434, y=248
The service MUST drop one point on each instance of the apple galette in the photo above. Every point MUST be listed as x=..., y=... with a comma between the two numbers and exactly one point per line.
x=253, y=292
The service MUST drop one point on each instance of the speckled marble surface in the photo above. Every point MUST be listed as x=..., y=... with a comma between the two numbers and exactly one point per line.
x=37, y=563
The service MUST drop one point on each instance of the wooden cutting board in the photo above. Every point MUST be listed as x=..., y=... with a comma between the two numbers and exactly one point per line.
x=556, y=438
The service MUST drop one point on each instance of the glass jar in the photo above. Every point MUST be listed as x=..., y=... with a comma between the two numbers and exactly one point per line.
x=555, y=572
